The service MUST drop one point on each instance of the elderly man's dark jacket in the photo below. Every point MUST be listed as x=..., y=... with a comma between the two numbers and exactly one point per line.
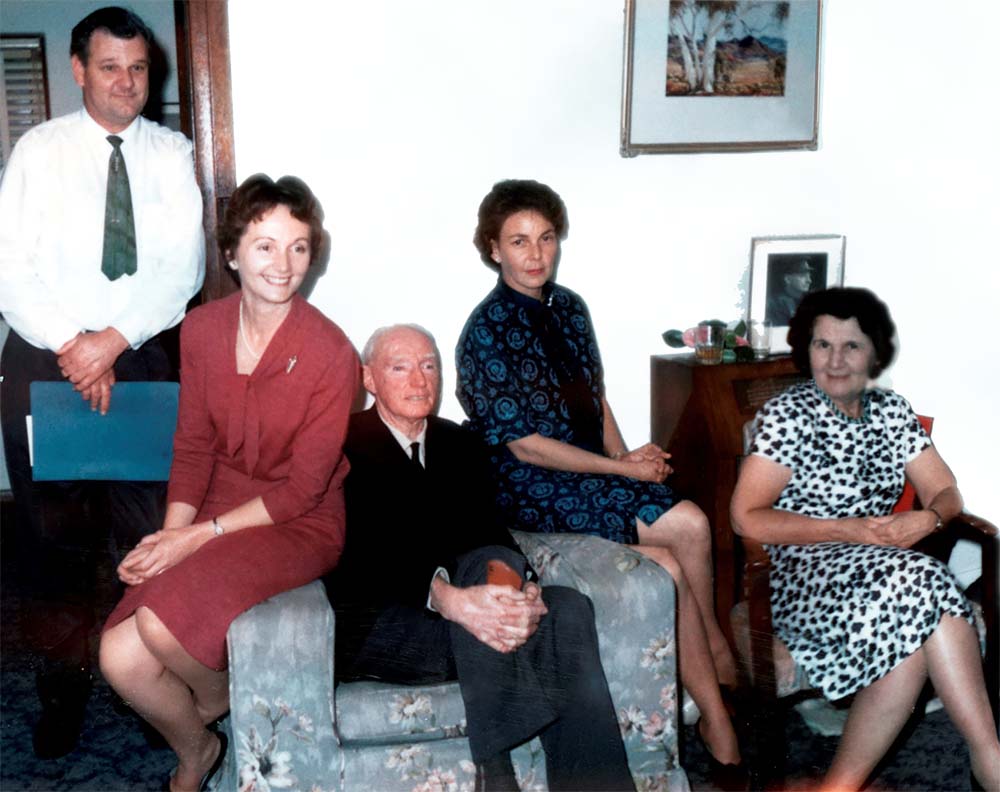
x=404, y=522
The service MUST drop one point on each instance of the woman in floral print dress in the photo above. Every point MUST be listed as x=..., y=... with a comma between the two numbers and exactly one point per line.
x=861, y=612
x=532, y=385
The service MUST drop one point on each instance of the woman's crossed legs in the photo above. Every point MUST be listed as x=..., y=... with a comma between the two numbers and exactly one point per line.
x=175, y=693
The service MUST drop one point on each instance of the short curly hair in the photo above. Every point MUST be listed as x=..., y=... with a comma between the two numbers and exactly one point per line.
x=509, y=197
x=258, y=195
x=848, y=302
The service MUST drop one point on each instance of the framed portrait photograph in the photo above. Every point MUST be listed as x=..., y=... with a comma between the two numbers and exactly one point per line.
x=783, y=269
x=738, y=76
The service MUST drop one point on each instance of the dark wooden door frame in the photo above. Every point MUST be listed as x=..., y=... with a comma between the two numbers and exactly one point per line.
x=206, y=88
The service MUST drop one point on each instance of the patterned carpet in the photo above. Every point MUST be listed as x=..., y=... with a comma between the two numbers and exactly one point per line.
x=932, y=759
x=113, y=755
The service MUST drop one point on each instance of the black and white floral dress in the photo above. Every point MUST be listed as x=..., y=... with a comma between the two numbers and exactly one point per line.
x=849, y=613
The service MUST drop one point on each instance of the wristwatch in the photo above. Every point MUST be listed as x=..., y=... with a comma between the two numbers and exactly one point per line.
x=939, y=525
x=217, y=526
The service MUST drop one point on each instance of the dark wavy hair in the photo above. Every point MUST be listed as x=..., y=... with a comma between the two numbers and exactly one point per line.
x=510, y=197
x=843, y=303
x=119, y=22
x=257, y=196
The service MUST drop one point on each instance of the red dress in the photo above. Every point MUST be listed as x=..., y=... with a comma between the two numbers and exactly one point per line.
x=276, y=433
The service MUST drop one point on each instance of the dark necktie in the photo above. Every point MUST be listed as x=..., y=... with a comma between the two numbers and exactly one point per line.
x=415, y=455
x=118, y=257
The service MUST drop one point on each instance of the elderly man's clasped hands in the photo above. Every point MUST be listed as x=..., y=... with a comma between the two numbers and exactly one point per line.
x=500, y=616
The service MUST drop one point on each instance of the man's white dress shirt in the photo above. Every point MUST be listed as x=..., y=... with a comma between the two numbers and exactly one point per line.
x=405, y=442
x=52, y=232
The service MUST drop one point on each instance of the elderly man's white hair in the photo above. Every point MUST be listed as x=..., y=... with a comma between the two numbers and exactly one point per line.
x=371, y=347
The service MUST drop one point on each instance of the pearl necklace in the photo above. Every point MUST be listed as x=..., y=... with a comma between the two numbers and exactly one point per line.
x=243, y=337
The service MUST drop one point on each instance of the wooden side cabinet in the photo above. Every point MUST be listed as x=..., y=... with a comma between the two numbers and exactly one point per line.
x=697, y=414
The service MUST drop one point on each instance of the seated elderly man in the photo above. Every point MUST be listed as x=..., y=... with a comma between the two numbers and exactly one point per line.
x=411, y=593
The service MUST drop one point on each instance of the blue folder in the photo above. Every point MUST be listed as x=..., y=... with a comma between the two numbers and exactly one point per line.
x=133, y=442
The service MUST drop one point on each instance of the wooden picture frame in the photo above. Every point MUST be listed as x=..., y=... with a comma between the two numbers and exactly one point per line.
x=742, y=78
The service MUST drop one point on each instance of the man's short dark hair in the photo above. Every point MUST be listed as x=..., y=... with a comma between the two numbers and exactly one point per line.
x=119, y=22
x=843, y=303
x=258, y=195
x=508, y=198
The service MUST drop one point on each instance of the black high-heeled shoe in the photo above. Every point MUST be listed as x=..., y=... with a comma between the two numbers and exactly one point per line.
x=727, y=777
x=213, y=770
x=217, y=764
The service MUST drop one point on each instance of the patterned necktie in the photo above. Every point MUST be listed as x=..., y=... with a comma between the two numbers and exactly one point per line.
x=415, y=455
x=118, y=257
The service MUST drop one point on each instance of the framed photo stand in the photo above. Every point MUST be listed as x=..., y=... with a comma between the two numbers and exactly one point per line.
x=783, y=269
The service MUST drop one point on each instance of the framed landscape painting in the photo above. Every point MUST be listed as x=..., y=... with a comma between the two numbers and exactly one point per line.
x=783, y=269
x=720, y=76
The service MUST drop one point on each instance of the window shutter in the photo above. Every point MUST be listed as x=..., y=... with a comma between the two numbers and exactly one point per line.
x=24, y=98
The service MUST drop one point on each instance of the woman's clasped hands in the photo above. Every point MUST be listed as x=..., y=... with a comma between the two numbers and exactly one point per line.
x=904, y=529
x=647, y=463
x=161, y=550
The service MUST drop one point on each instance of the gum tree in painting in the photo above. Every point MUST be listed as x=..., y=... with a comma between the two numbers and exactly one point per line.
x=730, y=48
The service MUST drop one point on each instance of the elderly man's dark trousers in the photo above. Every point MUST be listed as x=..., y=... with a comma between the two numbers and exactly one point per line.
x=62, y=528
x=553, y=686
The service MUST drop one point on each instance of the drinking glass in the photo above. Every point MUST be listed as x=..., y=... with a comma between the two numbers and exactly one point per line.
x=760, y=338
x=709, y=340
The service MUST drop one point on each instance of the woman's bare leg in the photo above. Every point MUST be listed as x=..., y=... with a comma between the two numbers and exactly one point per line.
x=950, y=657
x=696, y=668
x=956, y=670
x=685, y=532
x=876, y=717
x=210, y=688
x=162, y=698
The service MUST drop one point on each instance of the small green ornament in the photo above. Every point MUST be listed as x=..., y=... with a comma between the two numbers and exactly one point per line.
x=674, y=338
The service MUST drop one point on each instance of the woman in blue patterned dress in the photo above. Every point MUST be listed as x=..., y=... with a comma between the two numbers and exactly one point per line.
x=860, y=611
x=530, y=380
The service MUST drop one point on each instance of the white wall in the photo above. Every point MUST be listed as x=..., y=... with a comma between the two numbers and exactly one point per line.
x=56, y=18
x=401, y=116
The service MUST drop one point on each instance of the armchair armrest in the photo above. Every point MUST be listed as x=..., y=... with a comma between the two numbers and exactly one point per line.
x=634, y=606
x=627, y=589
x=757, y=588
x=985, y=534
x=281, y=689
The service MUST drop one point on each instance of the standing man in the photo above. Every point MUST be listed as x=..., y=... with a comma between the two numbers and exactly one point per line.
x=101, y=247
x=415, y=603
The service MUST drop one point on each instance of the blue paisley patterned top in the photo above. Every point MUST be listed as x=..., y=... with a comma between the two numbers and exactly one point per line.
x=528, y=366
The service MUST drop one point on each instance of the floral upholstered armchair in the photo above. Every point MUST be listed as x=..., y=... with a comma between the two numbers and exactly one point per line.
x=292, y=729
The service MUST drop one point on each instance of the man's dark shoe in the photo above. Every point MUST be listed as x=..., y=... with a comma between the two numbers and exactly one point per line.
x=496, y=774
x=64, y=694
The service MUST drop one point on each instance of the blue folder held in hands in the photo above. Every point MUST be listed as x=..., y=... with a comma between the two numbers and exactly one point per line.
x=133, y=442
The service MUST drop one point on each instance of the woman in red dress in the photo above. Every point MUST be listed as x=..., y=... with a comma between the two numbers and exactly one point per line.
x=255, y=500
